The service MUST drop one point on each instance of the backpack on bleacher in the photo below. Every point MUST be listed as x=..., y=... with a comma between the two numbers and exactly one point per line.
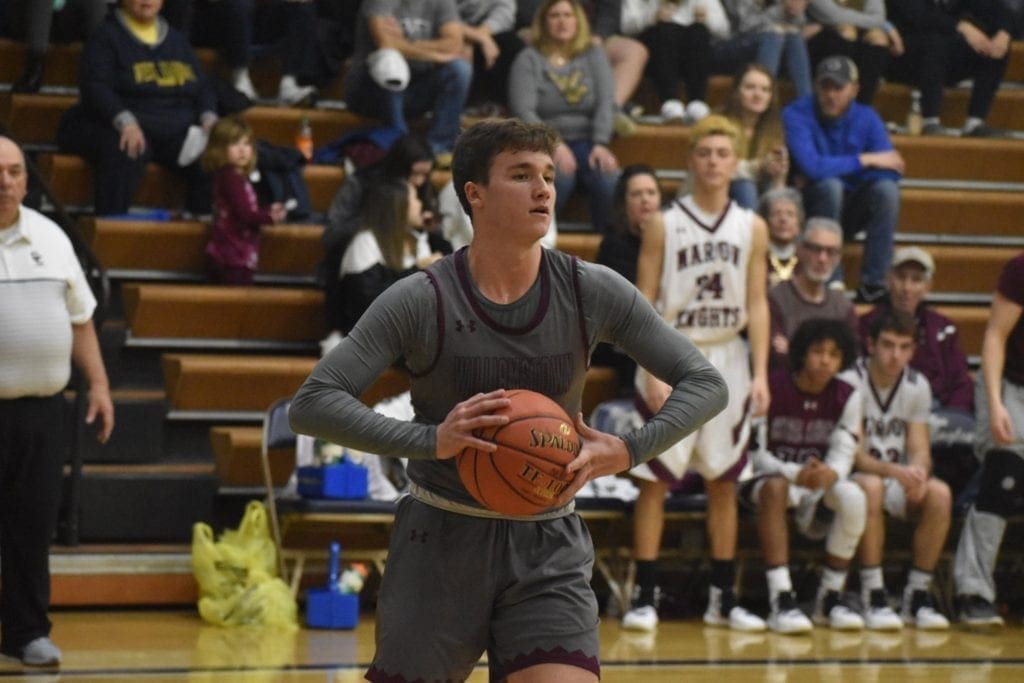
x=280, y=179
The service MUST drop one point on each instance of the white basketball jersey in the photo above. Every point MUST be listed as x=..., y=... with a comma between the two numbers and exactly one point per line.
x=887, y=411
x=703, y=289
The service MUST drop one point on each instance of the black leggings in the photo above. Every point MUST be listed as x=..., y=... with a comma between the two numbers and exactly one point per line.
x=678, y=52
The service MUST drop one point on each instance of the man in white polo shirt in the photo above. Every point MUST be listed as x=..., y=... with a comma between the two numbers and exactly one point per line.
x=46, y=312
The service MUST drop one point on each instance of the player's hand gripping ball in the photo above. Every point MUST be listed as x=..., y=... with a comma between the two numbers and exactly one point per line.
x=526, y=474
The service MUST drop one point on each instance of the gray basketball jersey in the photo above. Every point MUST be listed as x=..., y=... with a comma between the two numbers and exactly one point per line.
x=483, y=346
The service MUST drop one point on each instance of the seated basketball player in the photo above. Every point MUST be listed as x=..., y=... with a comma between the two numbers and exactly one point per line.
x=894, y=469
x=502, y=313
x=703, y=262
x=802, y=461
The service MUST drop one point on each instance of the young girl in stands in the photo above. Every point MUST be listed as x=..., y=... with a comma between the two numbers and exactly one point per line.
x=390, y=245
x=764, y=161
x=233, y=251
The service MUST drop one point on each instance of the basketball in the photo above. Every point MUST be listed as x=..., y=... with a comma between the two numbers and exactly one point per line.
x=526, y=473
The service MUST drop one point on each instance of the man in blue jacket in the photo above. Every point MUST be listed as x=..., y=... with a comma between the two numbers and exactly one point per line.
x=847, y=166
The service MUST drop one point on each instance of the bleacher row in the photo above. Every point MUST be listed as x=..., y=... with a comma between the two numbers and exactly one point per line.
x=201, y=363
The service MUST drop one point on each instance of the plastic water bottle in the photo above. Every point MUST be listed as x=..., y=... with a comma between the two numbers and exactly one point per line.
x=304, y=139
x=914, y=117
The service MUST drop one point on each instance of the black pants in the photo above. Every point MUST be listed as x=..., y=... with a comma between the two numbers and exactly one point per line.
x=116, y=175
x=871, y=60
x=32, y=455
x=933, y=61
x=678, y=52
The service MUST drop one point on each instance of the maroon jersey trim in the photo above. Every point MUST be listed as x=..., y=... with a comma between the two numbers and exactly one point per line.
x=884, y=405
x=710, y=228
x=440, y=326
x=462, y=268
x=581, y=319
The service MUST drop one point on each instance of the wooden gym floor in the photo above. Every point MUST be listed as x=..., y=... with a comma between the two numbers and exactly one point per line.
x=175, y=645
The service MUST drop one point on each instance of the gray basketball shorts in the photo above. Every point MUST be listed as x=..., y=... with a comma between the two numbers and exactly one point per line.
x=1013, y=399
x=456, y=586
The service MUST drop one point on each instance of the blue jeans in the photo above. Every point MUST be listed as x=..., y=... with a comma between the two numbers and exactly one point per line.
x=773, y=46
x=441, y=90
x=873, y=206
x=744, y=192
x=600, y=185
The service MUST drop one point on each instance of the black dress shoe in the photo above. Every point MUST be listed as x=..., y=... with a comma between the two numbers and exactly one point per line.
x=31, y=78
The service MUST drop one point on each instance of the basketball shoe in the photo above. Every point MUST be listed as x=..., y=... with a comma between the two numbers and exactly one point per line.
x=878, y=615
x=642, y=616
x=723, y=610
x=786, y=617
x=830, y=611
x=918, y=609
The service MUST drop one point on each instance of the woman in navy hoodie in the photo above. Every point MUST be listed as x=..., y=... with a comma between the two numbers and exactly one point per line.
x=141, y=89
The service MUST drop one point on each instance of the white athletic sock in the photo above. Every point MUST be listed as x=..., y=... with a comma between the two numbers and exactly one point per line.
x=778, y=580
x=833, y=579
x=972, y=122
x=929, y=120
x=918, y=580
x=871, y=579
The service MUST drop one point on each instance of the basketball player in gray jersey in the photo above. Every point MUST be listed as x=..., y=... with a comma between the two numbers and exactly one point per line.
x=502, y=314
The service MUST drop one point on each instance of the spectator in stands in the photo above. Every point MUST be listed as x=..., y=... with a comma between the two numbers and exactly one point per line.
x=142, y=91
x=637, y=198
x=45, y=324
x=408, y=159
x=491, y=43
x=563, y=79
x=807, y=294
x=236, y=26
x=767, y=33
x=894, y=469
x=801, y=460
x=859, y=31
x=940, y=357
x=38, y=21
x=390, y=244
x=846, y=163
x=233, y=252
x=678, y=38
x=947, y=42
x=407, y=62
x=764, y=160
x=999, y=442
x=702, y=263
x=783, y=211
x=627, y=56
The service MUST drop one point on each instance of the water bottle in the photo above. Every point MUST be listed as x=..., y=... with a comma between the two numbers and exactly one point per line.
x=914, y=117
x=304, y=139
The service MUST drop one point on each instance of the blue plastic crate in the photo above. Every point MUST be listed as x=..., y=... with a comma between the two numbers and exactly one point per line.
x=344, y=480
x=326, y=608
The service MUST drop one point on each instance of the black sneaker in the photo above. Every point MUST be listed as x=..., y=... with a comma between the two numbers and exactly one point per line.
x=977, y=611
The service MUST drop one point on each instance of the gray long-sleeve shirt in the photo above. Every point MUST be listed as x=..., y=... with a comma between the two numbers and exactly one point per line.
x=577, y=100
x=831, y=13
x=424, y=318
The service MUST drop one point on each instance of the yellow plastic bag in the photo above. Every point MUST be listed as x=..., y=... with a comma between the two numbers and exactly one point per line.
x=264, y=601
x=237, y=574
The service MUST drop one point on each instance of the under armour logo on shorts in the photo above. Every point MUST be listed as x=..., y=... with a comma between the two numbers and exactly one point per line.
x=420, y=536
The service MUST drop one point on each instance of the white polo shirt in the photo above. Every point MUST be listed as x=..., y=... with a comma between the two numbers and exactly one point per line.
x=43, y=292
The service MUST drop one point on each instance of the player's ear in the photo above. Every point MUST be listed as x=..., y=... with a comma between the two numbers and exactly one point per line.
x=472, y=191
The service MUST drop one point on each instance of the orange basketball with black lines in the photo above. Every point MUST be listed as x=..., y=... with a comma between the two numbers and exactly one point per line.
x=526, y=474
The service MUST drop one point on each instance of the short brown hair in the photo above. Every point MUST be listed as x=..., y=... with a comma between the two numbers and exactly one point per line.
x=227, y=131
x=479, y=144
x=900, y=323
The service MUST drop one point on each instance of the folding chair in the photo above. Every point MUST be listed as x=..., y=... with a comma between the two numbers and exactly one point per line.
x=277, y=433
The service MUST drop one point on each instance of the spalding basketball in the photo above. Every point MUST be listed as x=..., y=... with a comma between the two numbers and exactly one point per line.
x=526, y=474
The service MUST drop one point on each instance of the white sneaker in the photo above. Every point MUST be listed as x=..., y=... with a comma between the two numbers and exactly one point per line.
x=40, y=652
x=918, y=609
x=696, y=110
x=786, y=617
x=641, y=618
x=723, y=611
x=878, y=615
x=243, y=84
x=289, y=92
x=673, y=111
x=829, y=611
